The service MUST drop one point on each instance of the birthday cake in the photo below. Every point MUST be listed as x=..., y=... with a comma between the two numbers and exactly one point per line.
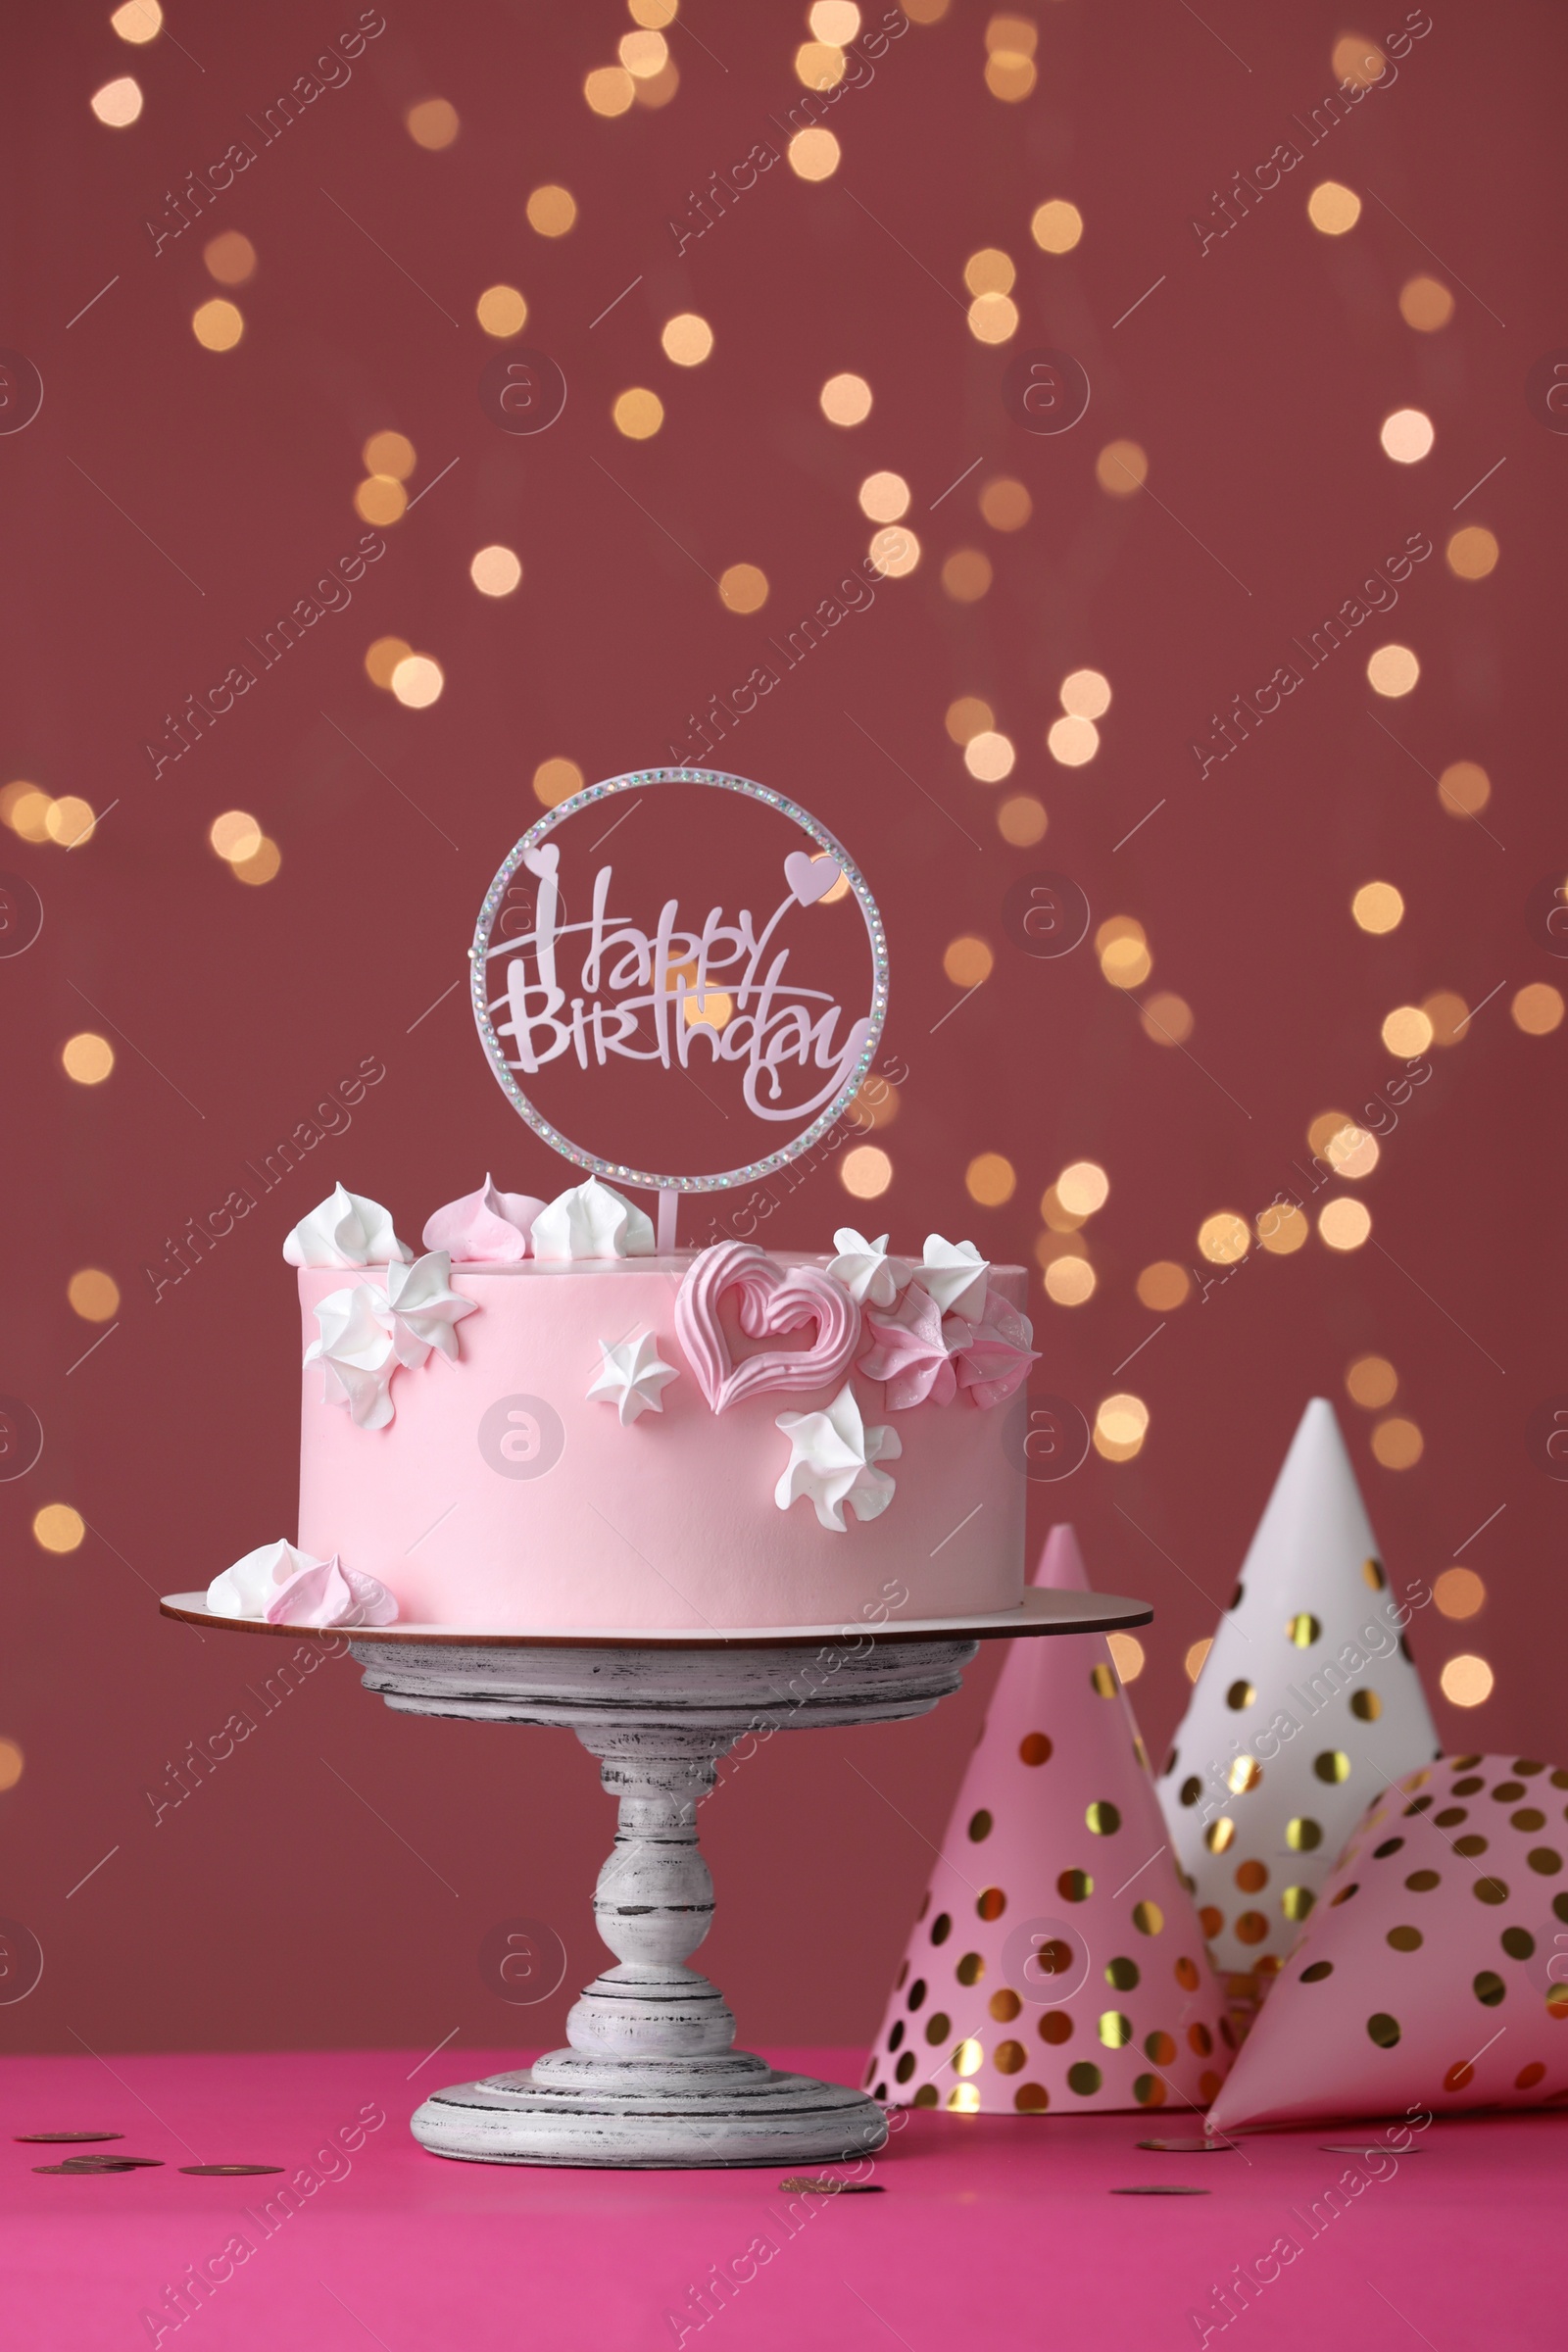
x=542, y=1424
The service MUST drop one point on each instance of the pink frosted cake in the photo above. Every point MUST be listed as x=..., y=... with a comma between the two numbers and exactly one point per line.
x=542, y=1425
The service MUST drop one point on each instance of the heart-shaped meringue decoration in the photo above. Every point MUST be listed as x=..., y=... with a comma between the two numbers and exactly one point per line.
x=772, y=1299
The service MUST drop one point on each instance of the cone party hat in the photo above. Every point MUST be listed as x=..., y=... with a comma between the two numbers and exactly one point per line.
x=1304, y=1710
x=1055, y=1963
x=1424, y=1983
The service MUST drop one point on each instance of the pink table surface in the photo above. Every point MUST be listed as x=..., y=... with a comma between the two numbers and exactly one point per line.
x=991, y=2231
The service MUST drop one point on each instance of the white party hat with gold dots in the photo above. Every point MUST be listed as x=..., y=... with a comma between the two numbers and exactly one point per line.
x=1056, y=1965
x=1306, y=1707
x=1425, y=1982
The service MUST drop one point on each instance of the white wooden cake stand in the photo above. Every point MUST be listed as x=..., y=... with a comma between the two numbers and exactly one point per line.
x=651, y=2077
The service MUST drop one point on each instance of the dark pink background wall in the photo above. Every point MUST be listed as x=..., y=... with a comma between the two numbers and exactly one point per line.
x=168, y=502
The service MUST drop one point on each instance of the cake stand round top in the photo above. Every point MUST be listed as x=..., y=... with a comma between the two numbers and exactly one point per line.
x=1042, y=1610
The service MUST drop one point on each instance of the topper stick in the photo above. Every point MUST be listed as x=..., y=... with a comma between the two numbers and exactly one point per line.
x=669, y=1205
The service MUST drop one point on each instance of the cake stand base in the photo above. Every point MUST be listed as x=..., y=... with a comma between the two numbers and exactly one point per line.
x=651, y=2077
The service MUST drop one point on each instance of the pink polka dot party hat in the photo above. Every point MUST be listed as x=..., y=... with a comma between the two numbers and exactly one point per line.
x=1055, y=1966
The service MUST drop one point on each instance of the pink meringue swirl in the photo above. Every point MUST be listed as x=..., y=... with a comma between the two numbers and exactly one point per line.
x=485, y=1228
x=992, y=1355
x=912, y=1354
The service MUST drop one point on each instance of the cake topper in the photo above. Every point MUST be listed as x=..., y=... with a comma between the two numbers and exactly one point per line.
x=674, y=990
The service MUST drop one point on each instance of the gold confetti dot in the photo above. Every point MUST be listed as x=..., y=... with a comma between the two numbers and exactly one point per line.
x=1023, y=821
x=1538, y=1009
x=1035, y=1748
x=1220, y=1835
x=555, y=781
x=495, y=570
x=138, y=21
x=416, y=681
x=432, y=123
x=813, y=154
x=866, y=1172
x=381, y=659
x=743, y=588
x=967, y=962
x=1303, y=1836
x=1378, y=907
x=117, y=103
x=58, y=1528
x=687, y=339
x=1163, y=1286
x=1393, y=671
x=1102, y=1819
x=552, y=210
x=1333, y=1766
x=638, y=413
x=216, y=326
x=1365, y=1705
x=1121, y=468
x=88, y=1057
x=1332, y=207
x=1344, y=1224
x=93, y=1294
x=1102, y=1681
x=380, y=500
x=1006, y=503
x=1466, y=1681
x=609, y=89
x=1166, y=1018
x=502, y=311
x=1241, y=1696
x=1425, y=304
x=990, y=1179
x=1472, y=553
x=229, y=258
x=234, y=834
x=846, y=400
x=1372, y=1382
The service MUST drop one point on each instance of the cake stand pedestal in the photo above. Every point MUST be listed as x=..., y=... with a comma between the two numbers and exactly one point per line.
x=651, y=2077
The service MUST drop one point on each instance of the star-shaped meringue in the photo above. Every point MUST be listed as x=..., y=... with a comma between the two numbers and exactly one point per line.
x=832, y=1460
x=423, y=1308
x=864, y=1268
x=356, y=1353
x=992, y=1358
x=912, y=1353
x=953, y=1273
x=632, y=1376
